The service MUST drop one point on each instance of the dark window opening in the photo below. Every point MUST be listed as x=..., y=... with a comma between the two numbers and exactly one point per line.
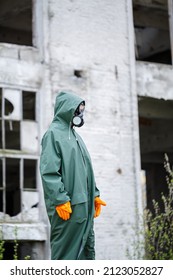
x=30, y=174
x=23, y=250
x=1, y=187
x=156, y=139
x=8, y=107
x=0, y=134
x=32, y=250
x=9, y=251
x=1, y=200
x=152, y=34
x=0, y=118
x=12, y=135
x=0, y=102
x=16, y=22
x=29, y=105
x=1, y=178
x=13, y=197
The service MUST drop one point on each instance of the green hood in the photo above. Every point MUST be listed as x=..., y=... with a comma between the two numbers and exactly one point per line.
x=65, y=105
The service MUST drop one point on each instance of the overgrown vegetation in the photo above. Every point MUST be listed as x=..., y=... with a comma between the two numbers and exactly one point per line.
x=16, y=244
x=15, y=247
x=1, y=246
x=154, y=237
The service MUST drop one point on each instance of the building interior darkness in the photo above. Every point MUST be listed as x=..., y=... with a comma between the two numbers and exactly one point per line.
x=16, y=22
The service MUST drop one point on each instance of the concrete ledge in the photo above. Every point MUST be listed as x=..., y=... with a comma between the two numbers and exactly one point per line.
x=29, y=232
x=20, y=73
x=17, y=52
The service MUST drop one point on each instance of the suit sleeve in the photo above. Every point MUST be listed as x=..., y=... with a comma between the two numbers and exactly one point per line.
x=50, y=170
x=97, y=192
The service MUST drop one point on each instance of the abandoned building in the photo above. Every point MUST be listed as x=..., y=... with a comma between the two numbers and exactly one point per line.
x=117, y=55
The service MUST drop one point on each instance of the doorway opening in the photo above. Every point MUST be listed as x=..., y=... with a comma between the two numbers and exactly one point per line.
x=156, y=139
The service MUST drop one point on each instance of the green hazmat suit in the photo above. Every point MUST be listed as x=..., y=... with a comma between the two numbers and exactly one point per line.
x=67, y=175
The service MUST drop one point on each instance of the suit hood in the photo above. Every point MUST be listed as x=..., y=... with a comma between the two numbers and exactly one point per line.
x=65, y=105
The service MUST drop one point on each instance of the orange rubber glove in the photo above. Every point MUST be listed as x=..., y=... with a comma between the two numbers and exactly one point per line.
x=98, y=202
x=64, y=210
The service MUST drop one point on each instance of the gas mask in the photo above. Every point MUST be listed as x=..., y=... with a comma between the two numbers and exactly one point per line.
x=78, y=115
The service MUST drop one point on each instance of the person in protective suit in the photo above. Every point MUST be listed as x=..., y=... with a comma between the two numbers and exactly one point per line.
x=71, y=196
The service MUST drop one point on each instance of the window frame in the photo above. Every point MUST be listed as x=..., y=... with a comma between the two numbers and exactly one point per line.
x=18, y=154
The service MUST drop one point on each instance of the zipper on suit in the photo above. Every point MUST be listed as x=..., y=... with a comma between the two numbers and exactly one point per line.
x=83, y=158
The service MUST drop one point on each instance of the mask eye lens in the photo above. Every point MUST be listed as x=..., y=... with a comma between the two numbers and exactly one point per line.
x=81, y=108
x=78, y=115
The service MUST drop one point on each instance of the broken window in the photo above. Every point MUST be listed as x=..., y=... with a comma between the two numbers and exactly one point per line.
x=11, y=104
x=155, y=124
x=152, y=32
x=19, y=177
x=18, y=154
x=18, y=127
x=16, y=22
